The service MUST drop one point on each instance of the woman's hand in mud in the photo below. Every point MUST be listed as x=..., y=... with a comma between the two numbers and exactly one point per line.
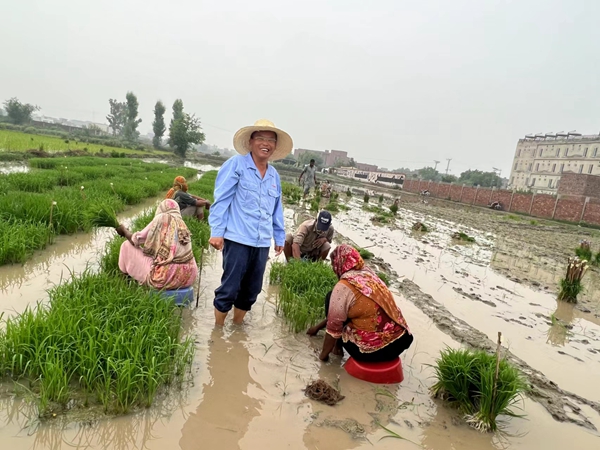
x=216, y=242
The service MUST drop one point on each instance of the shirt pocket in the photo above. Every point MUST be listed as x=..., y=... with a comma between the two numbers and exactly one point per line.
x=248, y=192
x=271, y=198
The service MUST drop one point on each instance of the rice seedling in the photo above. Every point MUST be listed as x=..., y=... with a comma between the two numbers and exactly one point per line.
x=584, y=251
x=348, y=193
x=364, y=253
x=460, y=236
x=332, y=206
x=366, y=198
x=20, y=239
x=380, y=198
x=596, y=260
x=291, y=193
x=380, y=219
x=481, y=385
x=394, y=209
x=85, y=339
x=570, y=285
x=384, y=277
x=304, y=286
x=102, y=215
x=420, y=227
x=314, y=205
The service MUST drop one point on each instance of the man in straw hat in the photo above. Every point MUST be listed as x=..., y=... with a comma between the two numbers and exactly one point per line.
x=246, y=214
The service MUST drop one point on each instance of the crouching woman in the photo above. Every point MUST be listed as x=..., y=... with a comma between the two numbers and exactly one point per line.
x=362, y=316
x=160, y=256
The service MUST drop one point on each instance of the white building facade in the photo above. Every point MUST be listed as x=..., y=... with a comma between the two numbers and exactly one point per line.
x=540, y=160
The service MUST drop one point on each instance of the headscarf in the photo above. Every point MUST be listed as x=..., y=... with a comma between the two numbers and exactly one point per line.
x=167, y=234
x=179, y=184
x=348, y=265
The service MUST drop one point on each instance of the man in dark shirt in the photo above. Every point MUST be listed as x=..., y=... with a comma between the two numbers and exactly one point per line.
x=312, y=240
x=191, y=205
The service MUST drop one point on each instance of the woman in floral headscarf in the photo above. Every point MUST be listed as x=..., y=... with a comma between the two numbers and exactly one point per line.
x=160, y=256
x=362, y=316
x=190, y=205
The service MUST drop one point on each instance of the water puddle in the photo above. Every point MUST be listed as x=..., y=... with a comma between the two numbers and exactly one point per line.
x=7, y=167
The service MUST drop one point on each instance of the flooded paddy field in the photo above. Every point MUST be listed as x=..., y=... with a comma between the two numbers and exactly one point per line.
x=246, y=384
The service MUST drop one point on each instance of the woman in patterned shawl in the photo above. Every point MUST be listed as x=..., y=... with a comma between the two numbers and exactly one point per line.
x=362, y=316
x=160, y=256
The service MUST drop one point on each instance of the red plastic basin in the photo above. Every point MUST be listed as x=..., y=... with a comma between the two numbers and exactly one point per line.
x=389, y=372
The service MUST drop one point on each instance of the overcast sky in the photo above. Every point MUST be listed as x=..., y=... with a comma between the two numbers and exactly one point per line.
x=393, y=82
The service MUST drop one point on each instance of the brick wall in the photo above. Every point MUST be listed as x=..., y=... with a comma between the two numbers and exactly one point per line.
x=568, y=207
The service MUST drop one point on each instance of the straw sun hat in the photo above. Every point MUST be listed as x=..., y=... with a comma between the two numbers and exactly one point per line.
x=241, y=140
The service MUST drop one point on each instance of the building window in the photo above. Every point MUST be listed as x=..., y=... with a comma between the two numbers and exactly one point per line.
x=530, y=167
x=519, y=154
x=585, y=152
x=566, y=153
x=590, y=168
x=595, y=151
x=557, y=152
x=562, y=167
x=533, y=182
x=550, y=183
x=516, y=164
x=581, y=168
x=537, y=167
x=553, y=167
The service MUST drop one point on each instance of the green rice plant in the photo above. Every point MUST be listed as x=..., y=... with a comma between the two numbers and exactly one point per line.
x=200, y=231
x=420, y=227
x=348, y=193
x=364, y=253
x=332, y=206
x=570, y=285
x=291, y=193
x=380, y=198
x=384, y=277
x=20, y=238
x=394, y=209
x=533, y=222
x=343, y=207
x=366, y=197
x=460, y=236
x=114, y=340
x=480, y=385
x=304, y=286
x=102, y=215
x=596, y=260
x=314, y=205
x=584, y=251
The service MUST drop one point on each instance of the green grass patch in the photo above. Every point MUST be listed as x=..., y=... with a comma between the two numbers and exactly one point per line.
x=304, y=286
x=20, y=239
x=467, y=379
x=584, y=253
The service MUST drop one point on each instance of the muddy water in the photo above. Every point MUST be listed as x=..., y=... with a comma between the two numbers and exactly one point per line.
x=247, y=381
x=6, y=168
x=457, y=276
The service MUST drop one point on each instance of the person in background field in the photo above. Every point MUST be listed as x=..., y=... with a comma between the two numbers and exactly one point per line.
x=310, y=179
x=246, y=214
x=190, y=205
x=160, y=256
x=362, y=315
x=312, y=240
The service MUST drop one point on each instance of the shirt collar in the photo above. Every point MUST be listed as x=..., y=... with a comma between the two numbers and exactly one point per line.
x=250, y=165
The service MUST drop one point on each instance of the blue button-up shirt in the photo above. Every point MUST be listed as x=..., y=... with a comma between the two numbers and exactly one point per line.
x=247, y=208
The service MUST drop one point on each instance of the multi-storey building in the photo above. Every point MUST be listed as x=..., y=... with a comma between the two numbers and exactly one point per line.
x=540, y=160
x=330, y=157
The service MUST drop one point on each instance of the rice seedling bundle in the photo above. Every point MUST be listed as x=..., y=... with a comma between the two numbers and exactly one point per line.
x=19, y=239
x=291, y=193
x=467, y=379
x=570, y=285
x=364, y=253
x=584, y=251
x=460, y=236
x=114, y=340
x=304, y=286
x=348, y=193
x=366, y=198
x=102, y=215
x=394, y=209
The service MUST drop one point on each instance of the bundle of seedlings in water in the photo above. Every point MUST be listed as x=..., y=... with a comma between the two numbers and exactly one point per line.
x=460, y=236
x=584, y=251
x=420, y=227
x=366, y=197
x=348, y=193
x=102, y=215
x=304, y=286
x=570, y=286
x=481, y=385
x=394, y=209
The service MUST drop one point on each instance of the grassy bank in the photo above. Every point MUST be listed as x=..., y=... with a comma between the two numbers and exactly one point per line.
x=101, y=339
x=304, y=286
x=16, y=141
x=58, y=194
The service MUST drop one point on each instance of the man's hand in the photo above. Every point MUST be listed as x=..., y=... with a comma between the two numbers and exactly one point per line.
x=217, y=242
x=278, y=250
x=319, y=242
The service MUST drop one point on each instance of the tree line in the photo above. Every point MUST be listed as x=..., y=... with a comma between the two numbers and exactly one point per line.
x=184, y=129
x=468, y=177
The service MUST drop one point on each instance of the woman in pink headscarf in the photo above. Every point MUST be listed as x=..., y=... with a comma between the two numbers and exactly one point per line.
x=362, y=315
x=160, y=256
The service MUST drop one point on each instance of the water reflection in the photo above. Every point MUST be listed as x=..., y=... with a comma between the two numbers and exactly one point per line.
x=222, y=418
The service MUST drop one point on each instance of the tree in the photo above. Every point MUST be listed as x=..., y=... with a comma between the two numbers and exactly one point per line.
x=130, y=131
x=116, y=118
x=184, y=130
x=480, y=178
x=449, y=178
x=19, y=113
x=305, y=158
x=158, y=126
x=429, y=173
